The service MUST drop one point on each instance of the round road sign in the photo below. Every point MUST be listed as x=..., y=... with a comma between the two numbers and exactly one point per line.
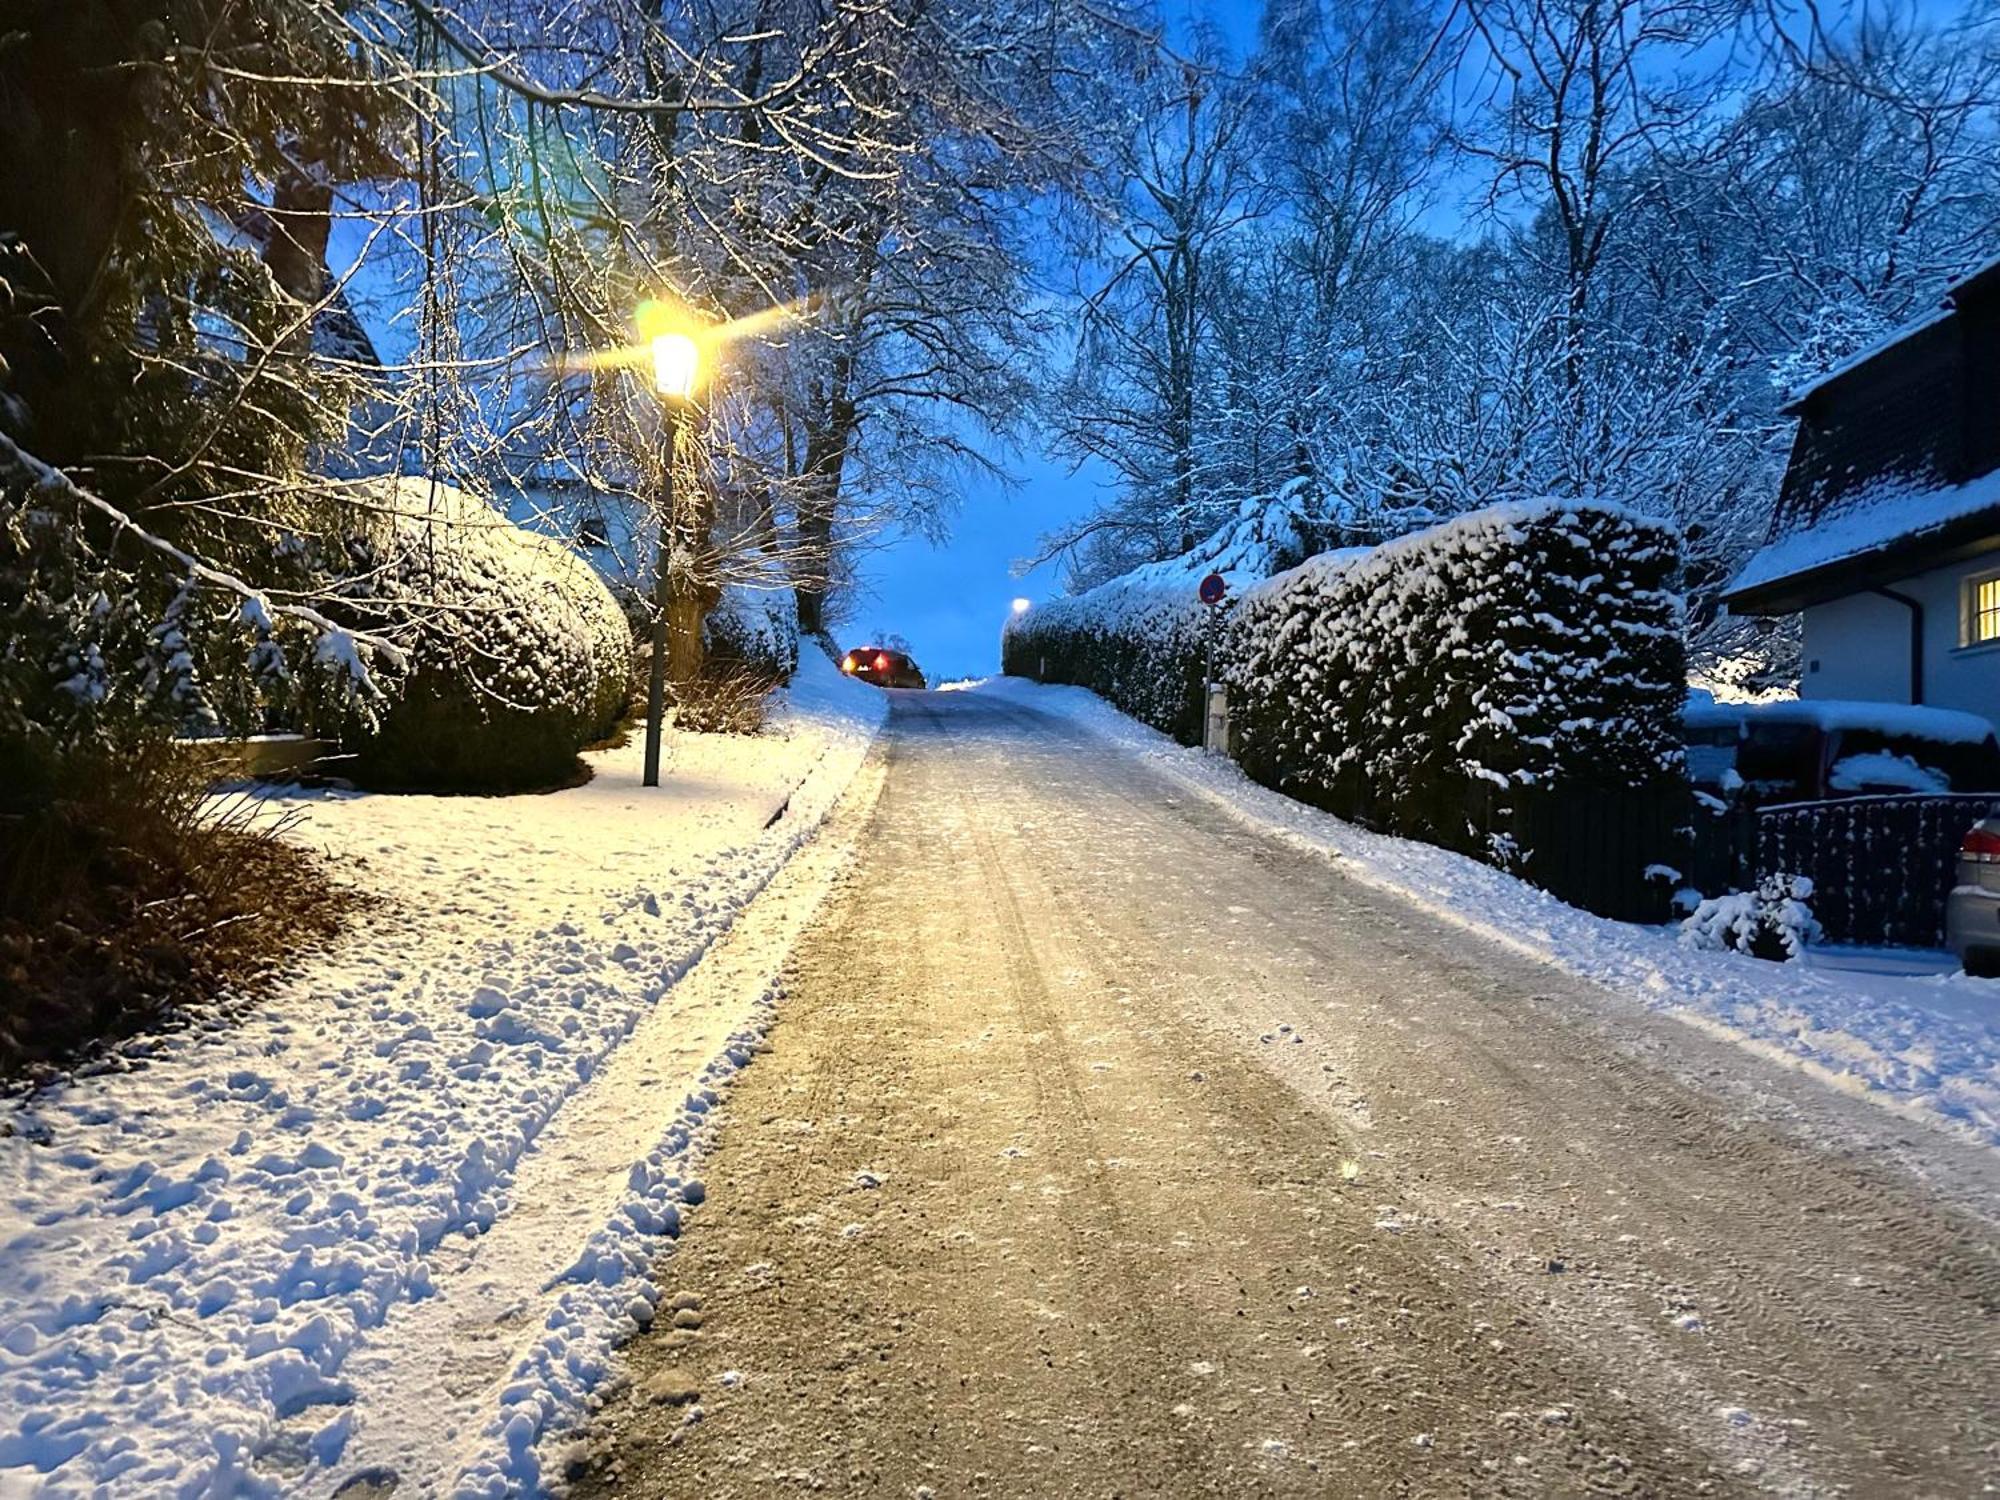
x=1213, y=588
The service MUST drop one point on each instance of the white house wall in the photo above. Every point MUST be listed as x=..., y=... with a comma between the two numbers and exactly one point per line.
x=627, y=555
x=1859, y=647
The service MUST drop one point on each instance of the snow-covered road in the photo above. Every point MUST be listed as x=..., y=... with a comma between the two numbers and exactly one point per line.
x=1113, y=1141
x=393, y=1221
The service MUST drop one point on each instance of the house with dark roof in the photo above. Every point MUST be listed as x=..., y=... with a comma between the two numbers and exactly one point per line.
x=1886, y=536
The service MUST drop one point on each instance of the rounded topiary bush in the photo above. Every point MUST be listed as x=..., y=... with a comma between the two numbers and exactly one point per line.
x=611, y=644
x=517, y=653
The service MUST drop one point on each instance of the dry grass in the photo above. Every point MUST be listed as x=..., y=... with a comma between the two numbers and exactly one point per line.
x=131, y=903
x=728, y=699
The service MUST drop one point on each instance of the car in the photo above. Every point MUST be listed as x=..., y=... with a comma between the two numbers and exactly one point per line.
x=884, y=666
x=1810, y=750
x=1972, y=910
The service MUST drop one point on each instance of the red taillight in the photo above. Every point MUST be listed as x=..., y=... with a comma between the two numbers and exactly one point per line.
x=1981, y=844
x=847, y=662
x=881, y=662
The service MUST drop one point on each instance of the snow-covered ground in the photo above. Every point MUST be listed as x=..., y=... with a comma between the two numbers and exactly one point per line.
x=395, y=1218
x=1902, y=1030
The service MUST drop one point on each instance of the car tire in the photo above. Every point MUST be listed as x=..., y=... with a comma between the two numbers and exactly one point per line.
x=1982, y=963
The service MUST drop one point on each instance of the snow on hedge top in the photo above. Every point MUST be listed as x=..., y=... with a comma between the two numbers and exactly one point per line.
x=1897, y=508
x=1502, y=523
x=1269, y=532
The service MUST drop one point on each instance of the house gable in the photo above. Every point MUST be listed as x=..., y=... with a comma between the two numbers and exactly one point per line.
x=1896, y=464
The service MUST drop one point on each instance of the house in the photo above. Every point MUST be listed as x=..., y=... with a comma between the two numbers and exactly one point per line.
x=1886, y=536
x=606, y=526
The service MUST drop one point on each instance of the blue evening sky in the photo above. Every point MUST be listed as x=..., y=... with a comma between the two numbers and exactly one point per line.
x=950, y=601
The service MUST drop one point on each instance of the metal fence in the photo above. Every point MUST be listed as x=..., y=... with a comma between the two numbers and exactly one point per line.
x=1881, y=867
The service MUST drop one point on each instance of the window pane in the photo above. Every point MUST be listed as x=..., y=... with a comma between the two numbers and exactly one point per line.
x=1986, y=610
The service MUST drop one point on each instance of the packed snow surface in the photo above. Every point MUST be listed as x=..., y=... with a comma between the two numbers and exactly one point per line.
x=213, y=1264
x=1925, y=1045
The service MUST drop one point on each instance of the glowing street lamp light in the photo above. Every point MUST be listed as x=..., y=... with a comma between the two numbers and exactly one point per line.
x=1022, y=606
x=676, y=365
x=676, y=362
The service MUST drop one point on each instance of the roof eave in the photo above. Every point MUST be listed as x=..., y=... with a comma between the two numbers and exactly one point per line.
x=1972, y=535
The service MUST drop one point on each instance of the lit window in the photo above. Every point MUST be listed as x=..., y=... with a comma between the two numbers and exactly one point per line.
x=1982, y=610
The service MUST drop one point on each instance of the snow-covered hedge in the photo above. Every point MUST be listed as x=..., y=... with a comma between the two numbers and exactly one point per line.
x=1429, y=685
x=1507, y=684
x=611, y=654
x=1139, y=640
x=1135, y=642
x=518, y=652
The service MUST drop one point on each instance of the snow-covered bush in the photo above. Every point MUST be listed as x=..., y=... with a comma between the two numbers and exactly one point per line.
x=517, y=651
x=1431, y=685
x=755, y=629
x=1140, y=640
x=611, y=653
x=1136, y=641
x=1774, y=921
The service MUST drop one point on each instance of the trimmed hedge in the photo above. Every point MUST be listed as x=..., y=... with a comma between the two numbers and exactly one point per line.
x=1139, y=641
x=518, y=653
x=1462, y=685
x=611, y=637
x=1430, y=686
x=1135, y=643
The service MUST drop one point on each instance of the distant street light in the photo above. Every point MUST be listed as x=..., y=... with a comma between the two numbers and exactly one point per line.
x=1022, y=606
x=676, y=363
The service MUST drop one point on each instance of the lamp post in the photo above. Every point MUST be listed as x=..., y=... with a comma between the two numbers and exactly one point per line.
x=676, y=361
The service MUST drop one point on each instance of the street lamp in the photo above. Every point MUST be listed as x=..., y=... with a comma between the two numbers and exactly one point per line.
x=676, y=362
x=1022, y=606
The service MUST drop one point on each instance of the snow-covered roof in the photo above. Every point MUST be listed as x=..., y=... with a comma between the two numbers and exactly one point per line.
x=1945, y=726
x=1897, y=509
x=1861, y=357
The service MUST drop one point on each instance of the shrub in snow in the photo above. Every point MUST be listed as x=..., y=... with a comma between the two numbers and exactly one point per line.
x=1141, y=639
x=1433, y=685
x=611, y=646
x=1773, y=922
x=517, y=651
x=1137, y=641
x=755, y=629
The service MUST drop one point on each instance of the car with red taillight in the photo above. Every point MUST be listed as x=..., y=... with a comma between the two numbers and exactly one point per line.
x=1972, y=910
x=884, y=666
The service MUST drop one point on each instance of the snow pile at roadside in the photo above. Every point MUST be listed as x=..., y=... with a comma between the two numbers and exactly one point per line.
x=192, y=1253
x=1928, y=1047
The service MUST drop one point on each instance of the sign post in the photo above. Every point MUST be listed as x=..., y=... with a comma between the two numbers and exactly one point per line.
x=1214, y=696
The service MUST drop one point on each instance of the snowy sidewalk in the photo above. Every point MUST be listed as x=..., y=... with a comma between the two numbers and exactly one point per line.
x=401, y=1212
x=1928, y=1047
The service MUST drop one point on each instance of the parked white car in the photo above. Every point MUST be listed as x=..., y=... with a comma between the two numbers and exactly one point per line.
x=1972, y=910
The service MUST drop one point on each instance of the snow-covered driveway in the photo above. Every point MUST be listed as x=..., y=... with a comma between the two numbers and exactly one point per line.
x=1114, y=1142
x=393, y=1220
